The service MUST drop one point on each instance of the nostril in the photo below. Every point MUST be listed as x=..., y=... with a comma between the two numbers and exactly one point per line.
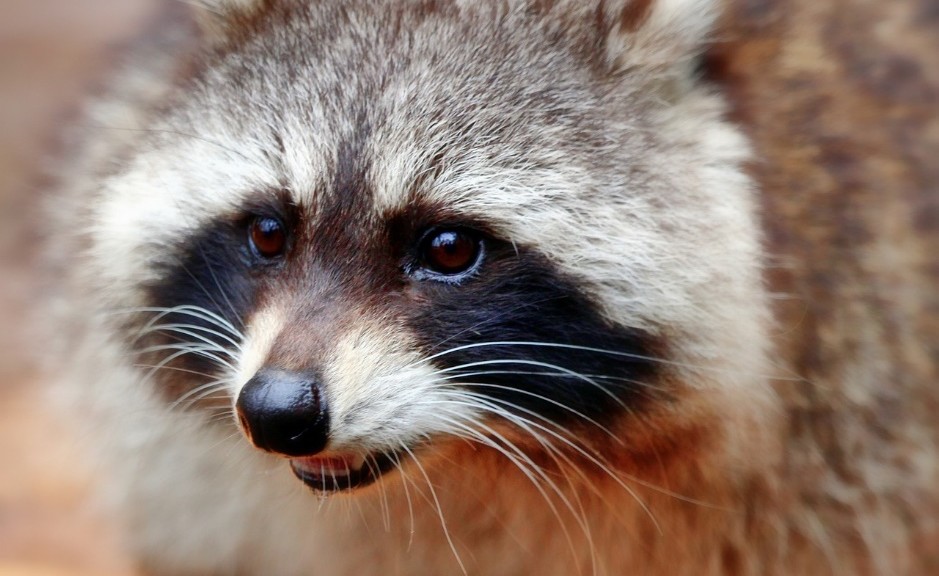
x=284, y=412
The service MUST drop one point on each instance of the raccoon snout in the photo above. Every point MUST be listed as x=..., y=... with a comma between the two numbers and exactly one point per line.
x=284, y=412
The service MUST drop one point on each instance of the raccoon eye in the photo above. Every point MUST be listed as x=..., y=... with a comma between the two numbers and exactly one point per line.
x=450, y=251
x=268, y=237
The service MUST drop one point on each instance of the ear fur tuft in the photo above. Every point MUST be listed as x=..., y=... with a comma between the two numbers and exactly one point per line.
x=657, y=36
x=215, y=16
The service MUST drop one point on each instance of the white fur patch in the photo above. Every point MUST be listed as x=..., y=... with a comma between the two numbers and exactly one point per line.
x=672, y=32
x=262, y=331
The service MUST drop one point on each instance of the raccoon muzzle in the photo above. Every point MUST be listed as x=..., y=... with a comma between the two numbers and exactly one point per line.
x=285, y=413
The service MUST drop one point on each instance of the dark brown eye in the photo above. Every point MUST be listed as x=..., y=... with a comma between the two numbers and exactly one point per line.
x=268, y=237
x=450, y=252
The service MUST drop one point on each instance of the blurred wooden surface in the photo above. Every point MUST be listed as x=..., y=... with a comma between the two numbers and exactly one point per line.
x=51, y=50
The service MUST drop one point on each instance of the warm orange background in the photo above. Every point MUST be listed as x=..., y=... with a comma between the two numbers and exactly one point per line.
x=50, y=52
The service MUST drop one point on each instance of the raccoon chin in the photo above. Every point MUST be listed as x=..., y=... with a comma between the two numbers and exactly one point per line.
x=341, y=472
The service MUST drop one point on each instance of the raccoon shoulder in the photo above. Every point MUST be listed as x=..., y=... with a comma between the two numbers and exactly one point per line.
x=839, y=102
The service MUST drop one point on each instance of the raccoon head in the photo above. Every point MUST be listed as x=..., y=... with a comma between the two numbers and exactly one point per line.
x=374, y=228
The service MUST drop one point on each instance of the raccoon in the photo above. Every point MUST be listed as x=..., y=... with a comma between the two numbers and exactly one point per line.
x=442, y=287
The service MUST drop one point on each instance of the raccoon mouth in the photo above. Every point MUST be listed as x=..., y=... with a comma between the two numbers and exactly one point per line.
x=341, y=472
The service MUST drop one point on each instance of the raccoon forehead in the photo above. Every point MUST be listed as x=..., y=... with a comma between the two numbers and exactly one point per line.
x=278, y=111
x=414, y=140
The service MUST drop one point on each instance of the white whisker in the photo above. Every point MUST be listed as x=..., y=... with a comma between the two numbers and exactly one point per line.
x=182, y=351
x=185, y=309
x=548, y=400
x=218, y=284
x=529, y=469
x=525, y=362
x=618, y=478
x=443, y=522
x=617, y=353
x=407, y=496
x=202, y=391
x=192, y=330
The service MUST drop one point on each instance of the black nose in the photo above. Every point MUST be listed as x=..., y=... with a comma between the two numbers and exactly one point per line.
x=284, y=412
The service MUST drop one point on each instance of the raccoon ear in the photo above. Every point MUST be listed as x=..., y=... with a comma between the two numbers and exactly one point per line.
x=658, y=37
x=215, y=17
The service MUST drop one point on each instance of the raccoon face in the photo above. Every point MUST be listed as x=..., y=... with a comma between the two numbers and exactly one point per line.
x=390, y=226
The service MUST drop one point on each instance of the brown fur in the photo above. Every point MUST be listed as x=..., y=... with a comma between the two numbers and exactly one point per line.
x=840, y=100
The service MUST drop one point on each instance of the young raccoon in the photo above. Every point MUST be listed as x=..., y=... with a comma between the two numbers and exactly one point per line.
x=443, y=286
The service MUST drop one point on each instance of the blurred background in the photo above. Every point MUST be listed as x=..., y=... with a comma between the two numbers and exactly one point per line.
x=51, y=52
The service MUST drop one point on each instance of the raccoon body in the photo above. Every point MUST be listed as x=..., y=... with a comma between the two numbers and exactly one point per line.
x=431, y=287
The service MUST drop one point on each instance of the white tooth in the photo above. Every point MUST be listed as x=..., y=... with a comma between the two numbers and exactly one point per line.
x=357, y=462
